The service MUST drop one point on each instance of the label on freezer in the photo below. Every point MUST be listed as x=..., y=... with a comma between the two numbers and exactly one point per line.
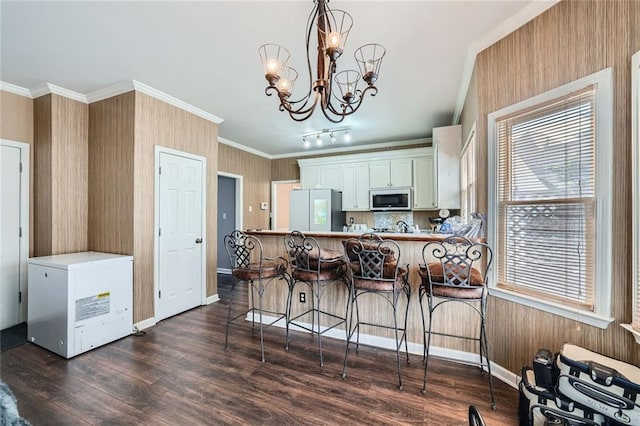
x=93, y=306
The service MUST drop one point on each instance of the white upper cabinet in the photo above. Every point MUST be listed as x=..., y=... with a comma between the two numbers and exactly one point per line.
x=391, y=173
x=446, y=153
x=355, y=186
x=424, y=183
x=321, y=177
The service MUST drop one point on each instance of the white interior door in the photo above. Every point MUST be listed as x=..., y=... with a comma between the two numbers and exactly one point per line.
x=9, y=236
x=180, y=239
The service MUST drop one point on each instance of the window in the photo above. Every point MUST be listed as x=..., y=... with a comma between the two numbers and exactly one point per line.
x=635, y=206
x=468, y=176
x=550, y=200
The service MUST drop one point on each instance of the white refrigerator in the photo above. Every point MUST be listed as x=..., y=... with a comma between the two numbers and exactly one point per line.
x=316, y=210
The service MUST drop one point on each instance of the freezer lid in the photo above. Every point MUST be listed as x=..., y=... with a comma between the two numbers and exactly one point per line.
x=81, y=259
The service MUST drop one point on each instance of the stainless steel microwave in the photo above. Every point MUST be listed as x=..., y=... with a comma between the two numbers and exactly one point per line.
x=391, y=199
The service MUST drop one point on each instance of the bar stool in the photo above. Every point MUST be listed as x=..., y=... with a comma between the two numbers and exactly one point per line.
x=455, y=270
x=374, y=265
x=248, y=264
x=318, y=268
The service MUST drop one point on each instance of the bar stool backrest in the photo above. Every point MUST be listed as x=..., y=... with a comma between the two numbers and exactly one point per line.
x=372, y=258
x=457, y=262
x=244, y=250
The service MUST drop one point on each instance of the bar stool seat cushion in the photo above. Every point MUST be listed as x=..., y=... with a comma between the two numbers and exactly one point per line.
x=387, y=284
x=325, y=274
x=473, y=290
x=253, y=272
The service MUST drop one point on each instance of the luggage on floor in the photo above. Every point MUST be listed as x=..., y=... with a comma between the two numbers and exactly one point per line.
x=539, y=406
x=601, y=383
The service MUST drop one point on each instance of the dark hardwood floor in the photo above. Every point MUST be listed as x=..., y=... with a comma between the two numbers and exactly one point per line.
x=179, y=374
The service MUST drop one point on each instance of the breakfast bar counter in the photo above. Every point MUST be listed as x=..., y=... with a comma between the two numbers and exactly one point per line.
x=457, y=319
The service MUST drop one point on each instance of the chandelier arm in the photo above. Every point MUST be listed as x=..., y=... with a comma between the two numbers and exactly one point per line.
x=339, y=118
x=303, y=109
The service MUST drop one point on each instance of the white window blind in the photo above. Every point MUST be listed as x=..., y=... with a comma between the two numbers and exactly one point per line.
x=468, y=177
x=546, y=201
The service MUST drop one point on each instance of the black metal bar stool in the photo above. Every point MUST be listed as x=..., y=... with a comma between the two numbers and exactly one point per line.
x=248, y=264
x=455, y=270
x=375, y=268
x=317, y=268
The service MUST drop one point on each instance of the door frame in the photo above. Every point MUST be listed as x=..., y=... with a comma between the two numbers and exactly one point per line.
x=24, y=220
x=156, y=222
x=274, y=205
x=239, y=204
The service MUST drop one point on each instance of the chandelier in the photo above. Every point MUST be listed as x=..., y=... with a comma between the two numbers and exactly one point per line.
x=337, y=93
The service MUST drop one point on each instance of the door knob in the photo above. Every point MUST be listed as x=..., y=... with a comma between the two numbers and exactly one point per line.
x=198, y=240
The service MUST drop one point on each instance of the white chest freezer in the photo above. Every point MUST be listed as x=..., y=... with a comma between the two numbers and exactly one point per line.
x=79, y=301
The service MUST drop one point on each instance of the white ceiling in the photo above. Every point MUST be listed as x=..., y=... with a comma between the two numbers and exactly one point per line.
x=205, y=54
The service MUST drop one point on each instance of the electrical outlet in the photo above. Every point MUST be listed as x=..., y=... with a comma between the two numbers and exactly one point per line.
x=303, y=297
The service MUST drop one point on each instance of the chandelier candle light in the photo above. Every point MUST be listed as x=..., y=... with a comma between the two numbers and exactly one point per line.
x=333, y=27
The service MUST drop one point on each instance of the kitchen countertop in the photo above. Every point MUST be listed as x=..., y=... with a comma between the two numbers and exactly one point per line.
x=398, y=236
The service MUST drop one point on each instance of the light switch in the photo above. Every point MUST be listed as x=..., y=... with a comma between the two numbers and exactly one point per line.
x=250, y=209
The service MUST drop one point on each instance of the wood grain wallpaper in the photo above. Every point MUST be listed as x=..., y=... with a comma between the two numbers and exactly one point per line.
x=569, y=41
x=158, y=123
x=111, y=164
x=256, y=173
x=60, y=175
x=16, y=124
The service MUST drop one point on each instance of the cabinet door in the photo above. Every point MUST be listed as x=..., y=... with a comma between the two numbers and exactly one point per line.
x=379, y=174
x=310, y=177
x=362, y=186
x=400, y=172
x=423, y=183
x=348, y=187
x=330, y=177
x=355, y=187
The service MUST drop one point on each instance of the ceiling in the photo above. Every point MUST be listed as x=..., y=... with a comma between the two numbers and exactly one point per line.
x=205, y=54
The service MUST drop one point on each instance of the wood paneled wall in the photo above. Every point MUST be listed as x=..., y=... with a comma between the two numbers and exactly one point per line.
x=61, y=175
x=158, y=123
x=16, y=124
x=569, y=41
x=256, y=173
x=111, y=164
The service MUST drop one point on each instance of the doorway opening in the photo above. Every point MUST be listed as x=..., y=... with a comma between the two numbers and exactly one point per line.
x=280, y=191
x=229, y=214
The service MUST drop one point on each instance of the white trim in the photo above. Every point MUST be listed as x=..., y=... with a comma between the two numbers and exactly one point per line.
x=470, y=136
x=155, y=93
x=24, y=221
x=156, y=222
x=239, y=199
x=274, y=192
x=505, y=28
x=144, y=324
x=368, y=156
x=212, y=299
x=604, y=134
x=244, y=148
x=635, y=185
x=454, y=355
x=225, y=271
x=346, y=148
x=110, y=91
x=47, y=88
x=16, y=90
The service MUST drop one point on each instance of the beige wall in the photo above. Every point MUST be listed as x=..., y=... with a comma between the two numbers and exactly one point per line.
x=256, y=173
x=569, y=41
x=16, y=124
x=61, y=175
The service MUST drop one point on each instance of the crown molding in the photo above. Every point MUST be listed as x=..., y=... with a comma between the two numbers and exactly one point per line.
x=16, y=90
x=48, y=88
x=355, y=148
x=508, y=26
x=245, y=148
x=110, y=91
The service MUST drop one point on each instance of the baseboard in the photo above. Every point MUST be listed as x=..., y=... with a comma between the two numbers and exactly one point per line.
x=497, y=371
x=211, y=299
x=149, y=322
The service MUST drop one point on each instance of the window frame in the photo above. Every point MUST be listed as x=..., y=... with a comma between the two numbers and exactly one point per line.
x=601, y=316
x=635, y=199
x=468, y=192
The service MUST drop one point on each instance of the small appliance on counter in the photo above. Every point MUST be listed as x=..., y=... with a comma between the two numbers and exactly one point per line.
x=439, y=224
